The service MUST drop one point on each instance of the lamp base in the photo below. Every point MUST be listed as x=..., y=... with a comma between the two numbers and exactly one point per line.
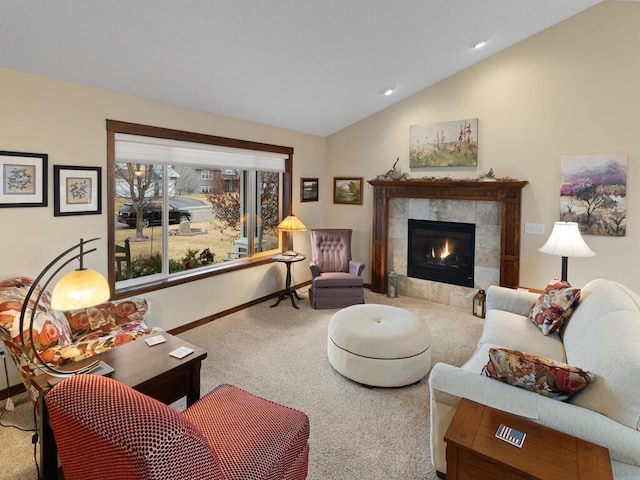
x=290, y=253
x=100, y=368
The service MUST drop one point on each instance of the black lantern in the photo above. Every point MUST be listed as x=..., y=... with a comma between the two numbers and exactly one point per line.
x=480, y=304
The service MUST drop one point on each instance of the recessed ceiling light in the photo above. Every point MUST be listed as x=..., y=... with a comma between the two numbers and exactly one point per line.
x=387, y=91
x=478, y=44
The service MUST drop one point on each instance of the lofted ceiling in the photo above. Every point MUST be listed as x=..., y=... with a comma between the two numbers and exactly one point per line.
x=314, y=66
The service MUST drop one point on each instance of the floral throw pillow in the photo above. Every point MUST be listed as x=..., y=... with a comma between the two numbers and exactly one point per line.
x=49, y=326
x=537, y=374
x=554, y=306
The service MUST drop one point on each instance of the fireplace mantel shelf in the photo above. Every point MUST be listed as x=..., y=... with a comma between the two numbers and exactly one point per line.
x=508, y=193
x=474, y=189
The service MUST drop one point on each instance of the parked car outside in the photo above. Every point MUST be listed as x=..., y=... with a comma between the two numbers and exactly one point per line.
x=152, y=214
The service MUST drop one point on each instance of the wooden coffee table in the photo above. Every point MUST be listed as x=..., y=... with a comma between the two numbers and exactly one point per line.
x=149, y=370
x=473, y=451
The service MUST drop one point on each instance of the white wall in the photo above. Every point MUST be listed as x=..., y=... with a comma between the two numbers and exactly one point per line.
x=571, y=89
x=67, y=122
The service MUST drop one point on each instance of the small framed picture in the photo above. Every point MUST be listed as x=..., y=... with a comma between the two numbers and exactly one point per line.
x=23, y=179
x=347, y=190
x=308, y=189
x=77, y=190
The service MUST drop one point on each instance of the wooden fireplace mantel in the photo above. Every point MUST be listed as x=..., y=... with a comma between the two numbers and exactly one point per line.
x=508, y=193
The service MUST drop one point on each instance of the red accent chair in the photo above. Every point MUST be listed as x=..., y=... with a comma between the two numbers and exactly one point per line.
x=104, y=429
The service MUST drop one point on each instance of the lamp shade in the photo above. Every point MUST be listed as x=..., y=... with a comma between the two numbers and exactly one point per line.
x=80, y=289
x=565, y=241
x=291, y=224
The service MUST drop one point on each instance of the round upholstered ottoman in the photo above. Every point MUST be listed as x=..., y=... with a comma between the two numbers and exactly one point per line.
x=379, y=345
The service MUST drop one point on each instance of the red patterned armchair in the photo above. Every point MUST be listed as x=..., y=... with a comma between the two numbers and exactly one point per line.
x=64, y=337
x=229, y=434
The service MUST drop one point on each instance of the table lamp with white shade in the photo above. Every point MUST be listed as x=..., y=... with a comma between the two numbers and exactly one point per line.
x=565, y=241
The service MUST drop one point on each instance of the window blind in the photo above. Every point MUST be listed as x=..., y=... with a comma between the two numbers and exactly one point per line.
x=151, y=150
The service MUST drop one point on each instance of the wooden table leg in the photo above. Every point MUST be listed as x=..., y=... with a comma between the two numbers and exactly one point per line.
x=48, y=448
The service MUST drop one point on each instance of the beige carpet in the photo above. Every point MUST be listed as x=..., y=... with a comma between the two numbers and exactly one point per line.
x=280, y=353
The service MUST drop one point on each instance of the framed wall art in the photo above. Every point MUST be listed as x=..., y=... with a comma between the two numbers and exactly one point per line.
x=593, y=193
x=444, y=144
x=347, y=190
x=77, y=190
x=23, y=179
x=308, y=189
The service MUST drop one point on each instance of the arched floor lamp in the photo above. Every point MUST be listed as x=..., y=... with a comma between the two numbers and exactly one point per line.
x=80, y=288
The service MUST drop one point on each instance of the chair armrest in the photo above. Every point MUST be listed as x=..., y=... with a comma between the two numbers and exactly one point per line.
x=510, y=300
x=315, y=270
x=356, y=268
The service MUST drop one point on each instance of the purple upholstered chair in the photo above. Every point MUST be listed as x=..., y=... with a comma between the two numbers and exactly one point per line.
x=336, y=280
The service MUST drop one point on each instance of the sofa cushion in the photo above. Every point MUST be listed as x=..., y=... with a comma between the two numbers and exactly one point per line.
x=603, y=336
x=95, y=342
x=516, y=332
x=538, y=374
x=106, y=316
x=554, y=306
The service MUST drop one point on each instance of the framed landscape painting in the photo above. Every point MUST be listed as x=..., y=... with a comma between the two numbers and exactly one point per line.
x=347, y=190
x=593, y=193
x=444, y=144
x=23, y=179
x=308, y=189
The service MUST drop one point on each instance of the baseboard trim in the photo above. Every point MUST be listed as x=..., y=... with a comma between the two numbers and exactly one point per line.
x=224, y=313
x=12, y=391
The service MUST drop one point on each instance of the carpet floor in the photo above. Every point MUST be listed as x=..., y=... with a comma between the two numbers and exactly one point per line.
x=281, y=354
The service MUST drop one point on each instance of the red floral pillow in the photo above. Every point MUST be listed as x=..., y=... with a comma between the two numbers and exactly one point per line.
x=554, y=306
x=537, y=374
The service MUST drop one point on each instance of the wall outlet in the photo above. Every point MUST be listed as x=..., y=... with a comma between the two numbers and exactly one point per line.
x=534, y=228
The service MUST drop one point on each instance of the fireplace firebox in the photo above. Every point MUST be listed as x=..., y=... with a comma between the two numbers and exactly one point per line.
x=441, y=251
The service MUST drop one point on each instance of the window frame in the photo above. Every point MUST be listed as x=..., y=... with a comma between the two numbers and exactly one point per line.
x=114, y=127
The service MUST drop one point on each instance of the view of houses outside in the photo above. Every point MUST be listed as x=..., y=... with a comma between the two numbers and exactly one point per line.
x=207, y=217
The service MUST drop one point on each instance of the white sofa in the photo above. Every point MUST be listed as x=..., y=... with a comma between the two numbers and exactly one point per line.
x=602, y=336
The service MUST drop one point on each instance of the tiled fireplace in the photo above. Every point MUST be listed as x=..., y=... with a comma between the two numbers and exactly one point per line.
x=486, y=269
x=441, y=251
x=492, y=207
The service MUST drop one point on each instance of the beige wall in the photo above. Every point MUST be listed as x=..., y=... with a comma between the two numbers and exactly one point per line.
x=572, y=89
x=67, y=122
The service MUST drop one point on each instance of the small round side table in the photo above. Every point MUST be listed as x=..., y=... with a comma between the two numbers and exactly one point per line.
x=288, y=292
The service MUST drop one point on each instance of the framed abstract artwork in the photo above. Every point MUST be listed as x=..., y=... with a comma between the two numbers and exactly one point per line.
x=347, y=190
x=308, y=189
x=23, y=179
x=77, y=190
